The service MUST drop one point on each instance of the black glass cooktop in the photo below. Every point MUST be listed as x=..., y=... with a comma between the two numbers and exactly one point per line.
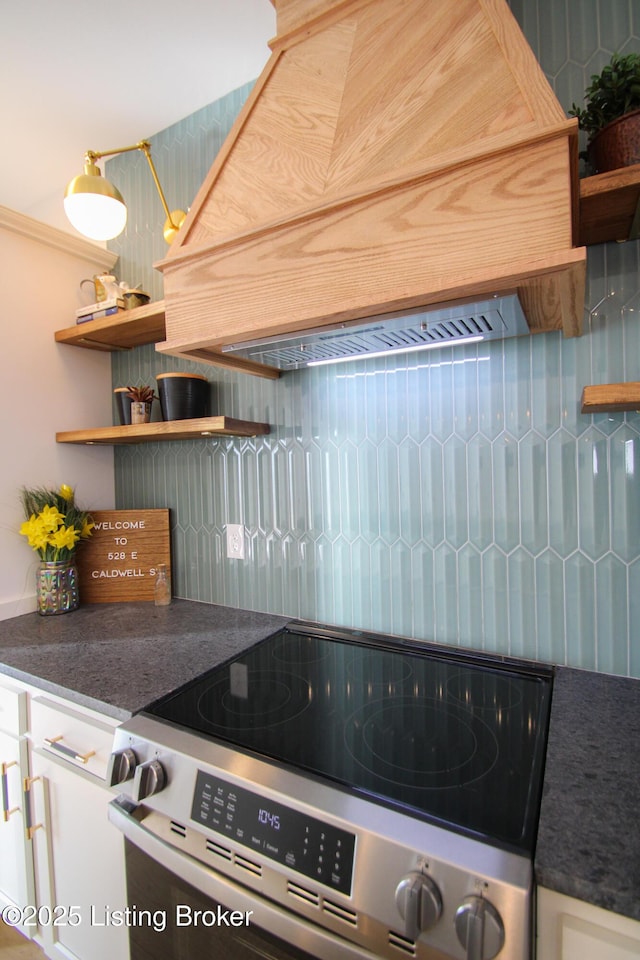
x=454, y=739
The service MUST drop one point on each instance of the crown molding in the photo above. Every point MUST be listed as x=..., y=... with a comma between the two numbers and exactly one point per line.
x=99, y=257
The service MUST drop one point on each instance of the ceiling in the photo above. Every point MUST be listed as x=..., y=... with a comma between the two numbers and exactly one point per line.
x=78, y=76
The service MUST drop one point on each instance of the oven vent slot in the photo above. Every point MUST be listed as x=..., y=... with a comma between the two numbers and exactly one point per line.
x=218, y=851
x=301, y=893
x=247, y=865
x=340, y=912
x=178, y=828
x=402, y=943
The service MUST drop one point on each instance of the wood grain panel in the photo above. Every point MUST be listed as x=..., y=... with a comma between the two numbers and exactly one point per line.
x=381, y=164
x=608, y=205
x=398, y=249
x=225, y=361
x=378, y=90
x=421, y=105
x=611, y=397
x=526, y=70
x=280, y=162
x=292, y=14
x=555, y=300
x=165, y=430
x=13, y=946
x=121, y=331
x=119, y=562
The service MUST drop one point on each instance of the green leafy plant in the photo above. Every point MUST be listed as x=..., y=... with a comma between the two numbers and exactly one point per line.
x=611, y=93
x=55, y=524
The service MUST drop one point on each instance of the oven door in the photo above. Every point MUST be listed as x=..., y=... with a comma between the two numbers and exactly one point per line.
x=179, y=909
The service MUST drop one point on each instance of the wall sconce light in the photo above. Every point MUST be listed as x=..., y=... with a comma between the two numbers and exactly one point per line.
x=96, y=208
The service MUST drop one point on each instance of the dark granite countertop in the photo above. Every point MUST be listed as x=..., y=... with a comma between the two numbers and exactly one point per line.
x=118, y=657
x=589, y=834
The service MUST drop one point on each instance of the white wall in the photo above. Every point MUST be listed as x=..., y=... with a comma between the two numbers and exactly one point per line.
x=45, y=387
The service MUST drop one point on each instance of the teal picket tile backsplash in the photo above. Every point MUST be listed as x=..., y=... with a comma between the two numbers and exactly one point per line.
x=460, y=496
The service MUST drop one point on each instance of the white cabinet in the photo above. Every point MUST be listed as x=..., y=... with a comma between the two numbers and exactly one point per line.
x=79, y=855
x=61, y=861
x=16, y=862
x=570, y=929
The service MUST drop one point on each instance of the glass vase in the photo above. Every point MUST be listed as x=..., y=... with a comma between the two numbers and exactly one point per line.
x=57, y=587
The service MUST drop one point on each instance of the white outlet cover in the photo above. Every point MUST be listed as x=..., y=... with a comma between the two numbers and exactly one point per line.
x=235, y=541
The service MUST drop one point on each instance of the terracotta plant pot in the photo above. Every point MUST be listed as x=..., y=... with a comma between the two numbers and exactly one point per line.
x=616, y=145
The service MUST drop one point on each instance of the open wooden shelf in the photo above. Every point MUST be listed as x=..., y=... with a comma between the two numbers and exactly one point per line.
x=121, y=331
x=611, y=397
x=610, y=210
x=166, y=430
x=610, y=205
x=133, y=328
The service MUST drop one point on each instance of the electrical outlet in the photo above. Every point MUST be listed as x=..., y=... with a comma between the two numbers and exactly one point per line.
x=235, y=541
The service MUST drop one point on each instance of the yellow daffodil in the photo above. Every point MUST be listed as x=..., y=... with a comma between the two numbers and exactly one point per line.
x=65, y=537
x=54, y=523
x=87, y=529
x=35, y=532
x=51, y=518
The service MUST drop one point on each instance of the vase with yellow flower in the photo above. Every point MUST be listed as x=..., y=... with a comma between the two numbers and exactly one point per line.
x=54, y=527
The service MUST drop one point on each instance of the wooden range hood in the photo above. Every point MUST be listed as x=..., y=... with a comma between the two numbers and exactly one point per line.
x=394, y=154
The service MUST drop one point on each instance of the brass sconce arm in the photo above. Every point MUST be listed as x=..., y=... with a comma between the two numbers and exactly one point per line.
x=86, y=184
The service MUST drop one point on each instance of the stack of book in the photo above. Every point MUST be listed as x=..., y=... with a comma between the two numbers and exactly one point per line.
x=105, y=308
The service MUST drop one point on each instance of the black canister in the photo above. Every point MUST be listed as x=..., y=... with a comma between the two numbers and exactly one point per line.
x=183, y=396
x=123, y=405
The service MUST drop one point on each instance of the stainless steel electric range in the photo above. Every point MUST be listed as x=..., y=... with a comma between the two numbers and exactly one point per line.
x=339, y=795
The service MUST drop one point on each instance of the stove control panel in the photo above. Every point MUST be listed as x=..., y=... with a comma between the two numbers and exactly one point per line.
x=316, y=849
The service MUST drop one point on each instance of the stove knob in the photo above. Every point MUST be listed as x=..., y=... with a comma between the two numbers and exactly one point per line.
x=419, y=902
x=121, y=766
x=479, y=928
x=149, y=778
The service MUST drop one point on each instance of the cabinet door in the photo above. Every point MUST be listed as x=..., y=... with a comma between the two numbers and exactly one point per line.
x=16, y=865
x=13, y=709
x=582, y=940
x=79, y=863
x=570, y=929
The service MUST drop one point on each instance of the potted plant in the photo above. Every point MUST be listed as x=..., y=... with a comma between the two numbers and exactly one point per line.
x=54, y=527
x=141, y=400
x=611, y=117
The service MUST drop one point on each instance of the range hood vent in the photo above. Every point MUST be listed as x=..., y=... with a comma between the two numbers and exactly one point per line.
x=392, y=334
x=394, y=156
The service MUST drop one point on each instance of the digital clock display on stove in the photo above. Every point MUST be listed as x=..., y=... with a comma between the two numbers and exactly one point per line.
x=271, y=819
x=318, y=850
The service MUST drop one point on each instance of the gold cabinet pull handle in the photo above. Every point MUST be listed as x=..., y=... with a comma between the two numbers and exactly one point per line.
x=56, y=744
x=29, y=826
x=6, y=809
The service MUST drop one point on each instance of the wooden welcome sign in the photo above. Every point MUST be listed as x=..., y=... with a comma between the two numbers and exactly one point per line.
x=119, y=562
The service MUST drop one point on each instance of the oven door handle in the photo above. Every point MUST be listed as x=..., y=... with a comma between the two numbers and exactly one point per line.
x=129, y=819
